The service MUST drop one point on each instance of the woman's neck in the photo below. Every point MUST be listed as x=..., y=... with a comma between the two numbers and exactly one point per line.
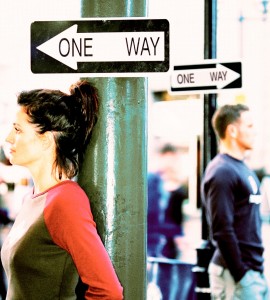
x=41, y=186
x=45, y=178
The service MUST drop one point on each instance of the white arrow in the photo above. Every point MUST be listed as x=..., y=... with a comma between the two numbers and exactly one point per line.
x=220, y=77
x=70, y=47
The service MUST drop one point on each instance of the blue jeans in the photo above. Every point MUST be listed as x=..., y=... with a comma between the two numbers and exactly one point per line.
x=252, y=286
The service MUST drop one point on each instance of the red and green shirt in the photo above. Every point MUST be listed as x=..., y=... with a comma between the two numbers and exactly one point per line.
x=54, y=241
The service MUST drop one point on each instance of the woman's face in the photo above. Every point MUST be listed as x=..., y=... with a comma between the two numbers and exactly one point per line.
x=25, y=143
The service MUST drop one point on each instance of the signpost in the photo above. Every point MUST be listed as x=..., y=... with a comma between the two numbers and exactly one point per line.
x=211, y=76
x=100, y=46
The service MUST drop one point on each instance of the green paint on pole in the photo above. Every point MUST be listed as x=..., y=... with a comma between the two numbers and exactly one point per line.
x=114, y=171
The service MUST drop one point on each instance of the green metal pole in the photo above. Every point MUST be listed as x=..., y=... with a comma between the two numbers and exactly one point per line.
x=205, y=251
x=115, y=166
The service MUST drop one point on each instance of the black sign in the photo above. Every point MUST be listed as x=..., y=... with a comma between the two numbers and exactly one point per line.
x=100, y=46
x=213, y=76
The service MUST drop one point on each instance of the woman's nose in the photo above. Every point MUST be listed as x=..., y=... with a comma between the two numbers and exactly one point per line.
x=10, y=137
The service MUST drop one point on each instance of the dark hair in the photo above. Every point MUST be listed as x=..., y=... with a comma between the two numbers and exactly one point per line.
x=70, y=117
x=168, y=148
x=226, y=115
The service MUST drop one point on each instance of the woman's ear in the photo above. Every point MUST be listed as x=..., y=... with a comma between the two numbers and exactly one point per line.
x=47, y=139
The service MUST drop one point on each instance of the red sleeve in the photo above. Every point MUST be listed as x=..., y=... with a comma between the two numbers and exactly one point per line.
x=70, y=222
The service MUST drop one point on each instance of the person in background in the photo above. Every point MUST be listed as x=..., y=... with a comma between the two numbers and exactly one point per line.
x=231, y=195
x=5, y=219
x=165, y=235
x=176, y=186
x=54, y=242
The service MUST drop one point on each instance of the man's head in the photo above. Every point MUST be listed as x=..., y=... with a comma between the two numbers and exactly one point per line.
x=234, y=124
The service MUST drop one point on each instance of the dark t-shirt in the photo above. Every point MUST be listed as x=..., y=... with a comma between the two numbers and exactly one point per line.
x=230, y=193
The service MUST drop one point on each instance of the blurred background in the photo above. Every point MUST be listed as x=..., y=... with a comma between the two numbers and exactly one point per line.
x=175, y=120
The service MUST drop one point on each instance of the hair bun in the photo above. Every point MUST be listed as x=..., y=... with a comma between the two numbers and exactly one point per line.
x=87, y=96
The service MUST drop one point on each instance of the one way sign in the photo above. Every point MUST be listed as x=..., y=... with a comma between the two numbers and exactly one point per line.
x=213, y=76
x=100, y=46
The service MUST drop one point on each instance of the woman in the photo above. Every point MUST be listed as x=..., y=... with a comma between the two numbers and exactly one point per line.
x=54, y=240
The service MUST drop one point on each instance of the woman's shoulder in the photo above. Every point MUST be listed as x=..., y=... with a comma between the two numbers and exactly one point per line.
x=66, y=187
x=67, y=193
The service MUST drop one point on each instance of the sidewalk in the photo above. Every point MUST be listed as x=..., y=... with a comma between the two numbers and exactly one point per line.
x=192, y=228
x=266, y=243
x=193, y=233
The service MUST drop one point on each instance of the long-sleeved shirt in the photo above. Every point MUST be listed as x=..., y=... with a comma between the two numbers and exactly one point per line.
x=54, y=241
x=231, y=195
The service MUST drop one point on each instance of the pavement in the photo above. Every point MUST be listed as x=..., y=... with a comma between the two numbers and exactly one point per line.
x=192, y=229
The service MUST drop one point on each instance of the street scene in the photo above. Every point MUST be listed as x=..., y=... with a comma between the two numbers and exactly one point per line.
x=156, y=113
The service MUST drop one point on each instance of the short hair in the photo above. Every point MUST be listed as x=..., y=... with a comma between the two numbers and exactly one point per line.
x=226, y=115
x=168, y=148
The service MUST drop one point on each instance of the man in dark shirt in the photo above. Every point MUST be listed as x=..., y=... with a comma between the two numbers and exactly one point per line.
x=230, y=193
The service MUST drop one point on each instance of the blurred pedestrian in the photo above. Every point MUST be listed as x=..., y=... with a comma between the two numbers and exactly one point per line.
x=231, y=195
x=172, y=172
x=157, y=202
x=4, y=220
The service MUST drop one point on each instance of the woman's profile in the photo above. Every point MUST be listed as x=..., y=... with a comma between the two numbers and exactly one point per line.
x=54, y=240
